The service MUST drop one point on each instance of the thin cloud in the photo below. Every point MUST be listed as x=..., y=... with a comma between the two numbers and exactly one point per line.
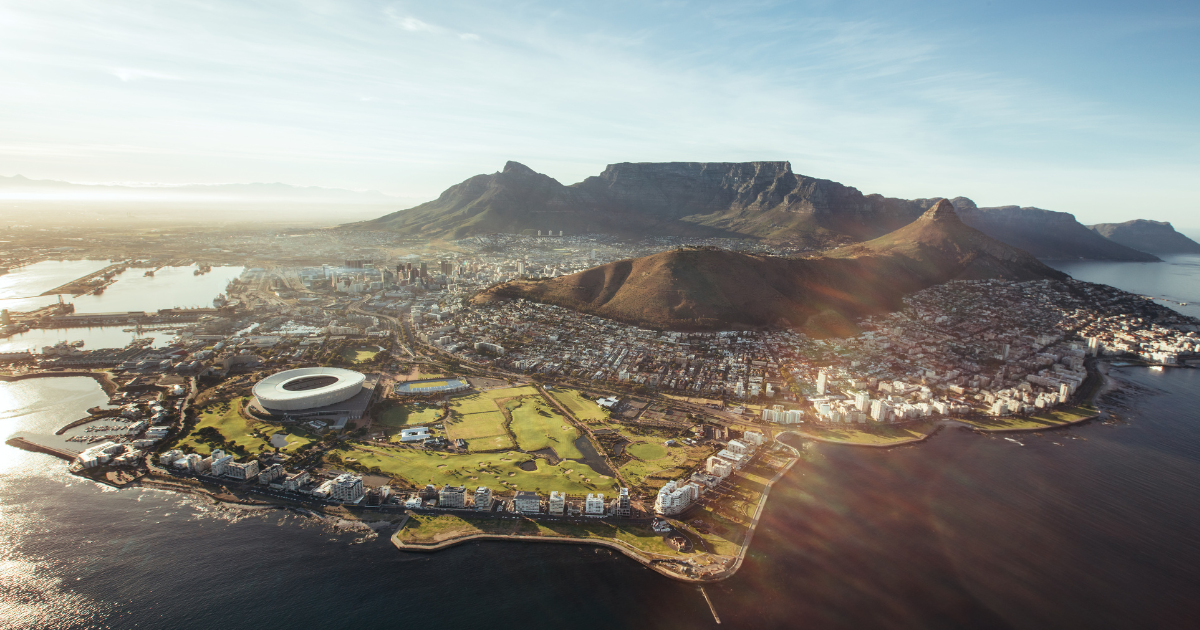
x=135, y=74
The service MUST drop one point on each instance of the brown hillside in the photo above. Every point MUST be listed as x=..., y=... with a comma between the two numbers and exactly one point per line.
x=712, y=289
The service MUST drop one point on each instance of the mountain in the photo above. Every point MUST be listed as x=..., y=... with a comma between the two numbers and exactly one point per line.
x=755, y=199
x=20, y=187
x=1155, y=237
x=710, y=288
x=1046, y=234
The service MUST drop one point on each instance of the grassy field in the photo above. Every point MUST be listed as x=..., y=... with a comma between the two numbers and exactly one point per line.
x=359, y=355
x=499, y=471
x=482, y=431
x=432, y=529
x=648, y=451
x=409, y=415
x=225, y=418
x=871, y=434
x=477, y=418
x=1045, y=420
x=673, y=464
x=583, y=408
x=537, y=425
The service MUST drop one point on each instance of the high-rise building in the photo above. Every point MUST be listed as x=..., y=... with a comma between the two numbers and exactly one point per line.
x=594, y=505
x=862, y=401
x=822, y=382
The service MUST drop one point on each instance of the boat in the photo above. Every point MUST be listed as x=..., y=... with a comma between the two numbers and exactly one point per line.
x=1014, y=442
x=149, y=274
x=1156, y=368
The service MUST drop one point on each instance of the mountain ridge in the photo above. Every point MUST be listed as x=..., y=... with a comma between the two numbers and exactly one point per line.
x=1154, y=237
x=710, y=288
x=764, y=199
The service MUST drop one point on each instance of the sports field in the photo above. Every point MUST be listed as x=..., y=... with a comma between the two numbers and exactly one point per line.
x=580, y=406
x=431, y=386
x=537, y=425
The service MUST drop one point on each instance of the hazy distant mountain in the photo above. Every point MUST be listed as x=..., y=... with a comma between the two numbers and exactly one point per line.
x=20, y=187
x=672, y=199
x=748, y=199
x=1155, y=237
x=710, y=288
x=1044, y=233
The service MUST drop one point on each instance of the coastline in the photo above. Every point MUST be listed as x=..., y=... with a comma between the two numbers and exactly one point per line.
x=103, y=378
x=657, y=565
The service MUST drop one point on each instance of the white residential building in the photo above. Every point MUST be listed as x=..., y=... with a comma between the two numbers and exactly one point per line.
x=347, y=488
x=673, y=498
x=249, y=470
x=527, y=502
x=594, y=505
x=718, y=466
x=452, y=497
x=558, y=502
x=483, y=498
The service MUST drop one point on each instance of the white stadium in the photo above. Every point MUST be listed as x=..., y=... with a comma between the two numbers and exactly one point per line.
x=309, y=391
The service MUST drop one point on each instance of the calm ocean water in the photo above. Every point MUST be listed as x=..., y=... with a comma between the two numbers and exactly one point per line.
x=1177, y=278
x=1092, y=526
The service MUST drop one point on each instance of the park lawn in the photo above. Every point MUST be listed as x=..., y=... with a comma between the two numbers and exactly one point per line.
x=537, y=425
x=498, y=471
x=640, y=537
x=484, y=402
x=482, y=431
x=225, y=418
x=647, y=451
x=409, y=415
x=580, y=406
x=638, y=472
x=1044, y=420
x=359, y=355
x=434, y=528
x=873, y=434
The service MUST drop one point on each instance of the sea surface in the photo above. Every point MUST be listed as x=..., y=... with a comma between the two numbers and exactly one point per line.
x=169, y=287
x=1175, y=280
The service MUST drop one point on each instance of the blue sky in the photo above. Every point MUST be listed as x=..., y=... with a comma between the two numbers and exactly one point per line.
x=1088, y=107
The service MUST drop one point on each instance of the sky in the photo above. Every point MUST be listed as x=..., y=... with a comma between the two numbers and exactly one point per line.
x=1083, y=107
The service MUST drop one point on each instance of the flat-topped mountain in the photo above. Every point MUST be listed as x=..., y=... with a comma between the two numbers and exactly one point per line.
x=757, y=199
x=711, y=199
x=1155, y=237
x=709, y=288
x=1046, y=234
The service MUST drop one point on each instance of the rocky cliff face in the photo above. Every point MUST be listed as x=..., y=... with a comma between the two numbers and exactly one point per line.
x=1155, y=237
x=1044, y=233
